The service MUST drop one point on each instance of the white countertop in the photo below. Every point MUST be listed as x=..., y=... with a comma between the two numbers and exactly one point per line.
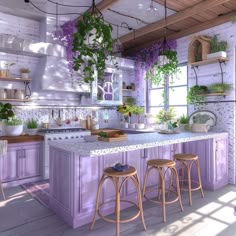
x=134, y=142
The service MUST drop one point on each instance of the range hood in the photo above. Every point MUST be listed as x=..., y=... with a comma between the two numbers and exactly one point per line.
x=14, y=45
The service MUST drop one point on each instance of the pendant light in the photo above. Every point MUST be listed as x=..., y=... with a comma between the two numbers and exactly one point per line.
x=117, y=46
x=152, y=11
x=58, y=34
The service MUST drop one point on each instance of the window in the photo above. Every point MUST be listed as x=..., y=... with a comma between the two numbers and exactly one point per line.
x=176, y=93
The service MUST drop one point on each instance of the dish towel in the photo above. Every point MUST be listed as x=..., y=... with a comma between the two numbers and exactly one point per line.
x=3, y=147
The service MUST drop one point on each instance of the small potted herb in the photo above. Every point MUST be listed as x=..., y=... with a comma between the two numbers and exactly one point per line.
x=32, y=127
x=24, y=73
x=183, y=122
x=196, y=94
x=219, y=88
x=138, y=111
x=13, y=127
x=218, y=48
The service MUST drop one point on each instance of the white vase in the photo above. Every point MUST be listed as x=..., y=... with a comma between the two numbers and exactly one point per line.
x=32, y=131
x=24, y=75
x=132, y=125
x=217, y=55
x=13, y=130
x=140, y=126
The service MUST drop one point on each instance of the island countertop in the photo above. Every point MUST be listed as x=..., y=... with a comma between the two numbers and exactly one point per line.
x=134, y=142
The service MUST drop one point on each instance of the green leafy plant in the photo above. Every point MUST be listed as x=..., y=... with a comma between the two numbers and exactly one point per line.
x=32, y=124
x=159, y=71
x=24, y=70
x=138, y=111
x=124, y=109
x=217, y=46
x=219, y=88
x=196, y=94
x=89, y=58
x=6, y=111
x=13, y=122
x=165, y=115
x=184, y=119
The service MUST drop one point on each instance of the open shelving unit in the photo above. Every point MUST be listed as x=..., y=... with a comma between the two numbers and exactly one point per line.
x=209, y=61
x=15, y=79
x=16, y=100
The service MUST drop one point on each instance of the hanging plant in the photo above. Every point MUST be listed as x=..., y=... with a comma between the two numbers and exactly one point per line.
x=196, y=94
x=92, y=55
x=159, y=70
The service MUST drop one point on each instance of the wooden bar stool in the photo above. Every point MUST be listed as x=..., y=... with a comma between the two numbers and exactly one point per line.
x=115, y=177
x=163, y=166
x=187, y=161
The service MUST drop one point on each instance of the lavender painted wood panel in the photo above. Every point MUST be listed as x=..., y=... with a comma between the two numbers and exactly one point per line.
x=135, y=159
x=89, y=175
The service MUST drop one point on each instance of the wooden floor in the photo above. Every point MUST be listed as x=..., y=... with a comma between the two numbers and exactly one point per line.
x=21, y=215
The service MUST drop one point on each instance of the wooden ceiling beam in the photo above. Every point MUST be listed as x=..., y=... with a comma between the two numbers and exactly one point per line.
x=194, y=29
x=103, y=5
x=188, y=12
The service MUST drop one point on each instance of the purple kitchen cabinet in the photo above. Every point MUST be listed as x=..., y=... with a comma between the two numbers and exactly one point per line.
x=23, y=160
x=213, y=158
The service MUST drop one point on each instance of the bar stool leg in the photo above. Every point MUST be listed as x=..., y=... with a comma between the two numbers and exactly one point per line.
x=189, y=185
x=199, y=177
x=175, y=173
x=145, y=180
x=182, y=175
x=117, y=190
x=162, y=181
x=140, y=204
x=2, y=190
x=97, y=201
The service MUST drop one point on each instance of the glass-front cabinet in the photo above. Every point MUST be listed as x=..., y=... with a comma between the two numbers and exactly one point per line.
x=108, y=90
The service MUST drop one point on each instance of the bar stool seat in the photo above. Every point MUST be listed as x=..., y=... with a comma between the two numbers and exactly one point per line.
x=163, y=166
x=115, y=177
x=187, y=160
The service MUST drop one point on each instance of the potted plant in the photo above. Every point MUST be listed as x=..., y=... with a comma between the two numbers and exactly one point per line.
x=24, y=73
x=92, y=44
x=165, y=117
x=196, y=94
x=32, y=126
x=13, y=127
x=219, y=88
x=218, y=48
x=6, y=71
x=6, y=112
x=138, y=111
x=125, y=110
x=183, y=122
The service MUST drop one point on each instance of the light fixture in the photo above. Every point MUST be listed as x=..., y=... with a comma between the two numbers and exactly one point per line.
x=117, y=45
x=58, y=34
x=152, y=11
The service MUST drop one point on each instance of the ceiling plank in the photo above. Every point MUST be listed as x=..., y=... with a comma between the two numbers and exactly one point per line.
x=194, y=29
x=189, y=12
x=103, y=5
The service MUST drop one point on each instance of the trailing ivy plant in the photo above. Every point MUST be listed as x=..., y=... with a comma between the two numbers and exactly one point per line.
x=196, y=95
x=91, y=57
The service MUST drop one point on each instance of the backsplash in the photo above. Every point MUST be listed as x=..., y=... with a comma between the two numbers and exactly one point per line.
x=50, y=115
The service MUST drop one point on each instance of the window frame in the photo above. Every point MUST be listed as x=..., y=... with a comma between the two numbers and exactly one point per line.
x=167, y=88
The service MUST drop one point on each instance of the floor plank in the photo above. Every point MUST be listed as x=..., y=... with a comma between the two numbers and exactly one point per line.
x=22, y=215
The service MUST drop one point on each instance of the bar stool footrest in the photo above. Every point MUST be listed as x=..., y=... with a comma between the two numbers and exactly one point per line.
x=121, y=221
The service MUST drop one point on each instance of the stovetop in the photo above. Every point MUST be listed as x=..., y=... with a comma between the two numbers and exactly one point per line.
x=62, y=130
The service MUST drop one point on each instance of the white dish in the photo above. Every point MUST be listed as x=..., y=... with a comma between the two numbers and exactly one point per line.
x=203, y=117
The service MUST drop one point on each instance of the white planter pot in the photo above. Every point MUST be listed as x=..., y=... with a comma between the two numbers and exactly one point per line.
x=124, y=125
x=32, y=131
x=24, y=75
x=132, y=125
x=140, y=126
x=13, y=130
x=216, y=55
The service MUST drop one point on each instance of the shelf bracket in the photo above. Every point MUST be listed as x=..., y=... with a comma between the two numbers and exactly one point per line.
x=221, y=70
x=195, y=72
x=27, y=89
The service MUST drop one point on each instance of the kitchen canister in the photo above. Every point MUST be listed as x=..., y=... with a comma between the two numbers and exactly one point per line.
x=3, y=94
x=19, y=94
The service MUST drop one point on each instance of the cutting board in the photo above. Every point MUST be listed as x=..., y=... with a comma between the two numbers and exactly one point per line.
x=111, y=139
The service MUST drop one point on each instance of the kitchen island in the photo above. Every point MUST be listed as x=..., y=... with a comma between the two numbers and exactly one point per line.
x=76, y=167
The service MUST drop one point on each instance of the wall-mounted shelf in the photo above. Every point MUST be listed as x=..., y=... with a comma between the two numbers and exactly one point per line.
x=15, y=79
x=215, y=94
x=15, y=100
x=128, y=90
x=209, y=61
